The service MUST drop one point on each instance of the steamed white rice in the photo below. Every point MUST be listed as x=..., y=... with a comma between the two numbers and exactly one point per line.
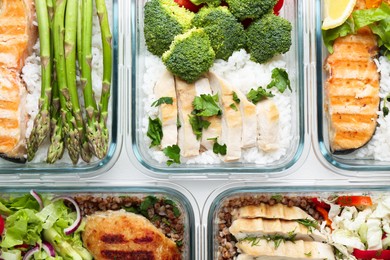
x=31, y=74
x=244, y=74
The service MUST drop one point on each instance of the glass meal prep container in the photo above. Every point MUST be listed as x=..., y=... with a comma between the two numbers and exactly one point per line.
x=65, y=167
x=130, y=197
x=361, y=162
x=223, y=206
x=137, y=143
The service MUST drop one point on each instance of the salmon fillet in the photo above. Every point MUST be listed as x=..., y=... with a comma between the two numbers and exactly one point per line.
x=17, y=36
x=352, y=89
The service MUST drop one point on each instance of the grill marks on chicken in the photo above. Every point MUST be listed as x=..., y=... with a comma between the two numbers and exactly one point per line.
x=17, y=36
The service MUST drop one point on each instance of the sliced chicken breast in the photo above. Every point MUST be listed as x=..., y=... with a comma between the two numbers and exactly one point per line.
x=165, y=87
x=259, y=227
x=271, y=212
x=187, y=141
x=263, y=249
x=268, y=125
x=231, y=118
x=202, y=86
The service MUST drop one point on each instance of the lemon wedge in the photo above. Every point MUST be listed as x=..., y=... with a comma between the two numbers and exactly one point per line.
x=337, y=12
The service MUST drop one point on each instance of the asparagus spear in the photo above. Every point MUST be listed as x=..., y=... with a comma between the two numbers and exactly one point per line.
x=107, y=71
x=42, y=122
x=70, y=128
x=93, y=130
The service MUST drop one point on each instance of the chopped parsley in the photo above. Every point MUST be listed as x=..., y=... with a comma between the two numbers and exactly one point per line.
x=280, y=80
x=198, y=124
x=235, y=98
x=155, y=131
x=310, y=224
x=217, y=148
x=206, y=105
x=162, y=100
x=173, y=153
x=277, y=239
x=308, y=254
x=277, y=197
x=175, y=209
x=233, y=106
x=258, y=95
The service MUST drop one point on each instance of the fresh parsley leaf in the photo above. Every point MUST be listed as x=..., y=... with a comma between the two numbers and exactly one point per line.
x=179, y=243
x=310, y=224
x=277, y=197
x=219, y=149
x=235, y=98
x=258, y=95
x=173, y=153
x=280, y=80
x=198, y=124
x=175, y=209
x=206, y=105
x=162, y=100
x=155, y=131
x=233, y=106
x=308, y=254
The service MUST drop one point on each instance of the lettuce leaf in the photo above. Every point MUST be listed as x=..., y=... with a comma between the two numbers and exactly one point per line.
x=329, y=36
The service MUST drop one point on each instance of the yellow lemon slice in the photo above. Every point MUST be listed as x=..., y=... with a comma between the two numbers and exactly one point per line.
x=337, y=12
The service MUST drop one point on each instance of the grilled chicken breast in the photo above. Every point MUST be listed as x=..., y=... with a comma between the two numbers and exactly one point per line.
x=268, y=125
x=202, y=86
x=17, y=36
x=231, y=118
x=187, y=141
x=123, y=235
x=258, y=227
x=165, y=87
x=352, y=89
x=275, y=211
x=298, y=249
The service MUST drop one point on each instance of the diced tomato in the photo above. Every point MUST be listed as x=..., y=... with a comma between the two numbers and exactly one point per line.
x=321, y=204
x=357, y=201
x=189, y=5
x=324, y=214
x=278, y=6
x=2, y=224
x=371, y=254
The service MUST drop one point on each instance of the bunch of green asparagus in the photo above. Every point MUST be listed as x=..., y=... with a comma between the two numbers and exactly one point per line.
x=65, y=34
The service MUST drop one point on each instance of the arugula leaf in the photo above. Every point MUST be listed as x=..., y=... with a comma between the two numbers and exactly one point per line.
x=258, y=95
x=173, y=152
x=162, y=100
x=198, y=124
x=206, y=105
x=235, y=98
x=280, y=80
x=233, y=106
x=155, y=131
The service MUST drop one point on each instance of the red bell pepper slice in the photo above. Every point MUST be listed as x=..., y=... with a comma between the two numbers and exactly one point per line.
x=321, y=204
x=2, y=224
x=324, y=214
x=357, y=201
x=371, y=254
x=278, y=6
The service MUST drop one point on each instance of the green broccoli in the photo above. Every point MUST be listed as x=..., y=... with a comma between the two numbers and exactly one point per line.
x=268, y=37
x=190, y=55
x=208, y=2
x=164, y=19
x=253, y=9
x=225, y=32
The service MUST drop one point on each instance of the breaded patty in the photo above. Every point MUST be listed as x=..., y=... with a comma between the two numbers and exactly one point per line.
x=123, y=235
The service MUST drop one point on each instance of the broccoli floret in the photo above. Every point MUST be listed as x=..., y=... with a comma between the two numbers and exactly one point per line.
x=225, y=32
x=190, y=55
x=164, y=19
x=208, y=2
x=267, y=37
x=253, y=9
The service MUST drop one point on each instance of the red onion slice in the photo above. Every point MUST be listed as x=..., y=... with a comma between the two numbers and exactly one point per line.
x=48, y=248
x=38, y=198
x=72, y=228
x=31, y=252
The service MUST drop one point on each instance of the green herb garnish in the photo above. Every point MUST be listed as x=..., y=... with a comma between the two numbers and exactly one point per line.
x=277, y=239
x=310, y=224
x=233, y=106
x=206, y=105
x=308, y=254
x=175, y=209
x=198, y=124
x=258, y=95
x=155, y=131
x=280, y=80
x=162, y=100
x=277, y=197
x=173, y=153
x=217, y=148
x=235, y=98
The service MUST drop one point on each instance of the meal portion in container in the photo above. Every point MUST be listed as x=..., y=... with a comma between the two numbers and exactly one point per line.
x=92, y=226
x=356, y=87
x=302, y=226
x=55, y=79
x=215, y=84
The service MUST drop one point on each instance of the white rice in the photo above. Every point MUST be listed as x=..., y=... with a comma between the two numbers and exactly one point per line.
x=379, y=146
x=244, y=74
x=31, y=74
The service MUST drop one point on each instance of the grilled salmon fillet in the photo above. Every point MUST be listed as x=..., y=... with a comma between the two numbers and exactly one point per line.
x=17, y=36
x=352, y=89
x=123, y=235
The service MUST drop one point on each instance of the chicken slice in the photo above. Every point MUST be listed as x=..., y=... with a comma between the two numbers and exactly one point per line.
x=214, y=130
x=231, y=118
x=259, y=227
x=187, y=141
x=268, y=125
x=165, y=87
x=298, y=249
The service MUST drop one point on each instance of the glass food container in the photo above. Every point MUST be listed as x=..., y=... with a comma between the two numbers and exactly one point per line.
x=137, y=143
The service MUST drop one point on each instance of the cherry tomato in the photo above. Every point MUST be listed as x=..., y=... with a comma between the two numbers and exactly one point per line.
x=188, y=5
x=357, y=201
x=278, y=6
x=1, y=225
x=371, y=254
